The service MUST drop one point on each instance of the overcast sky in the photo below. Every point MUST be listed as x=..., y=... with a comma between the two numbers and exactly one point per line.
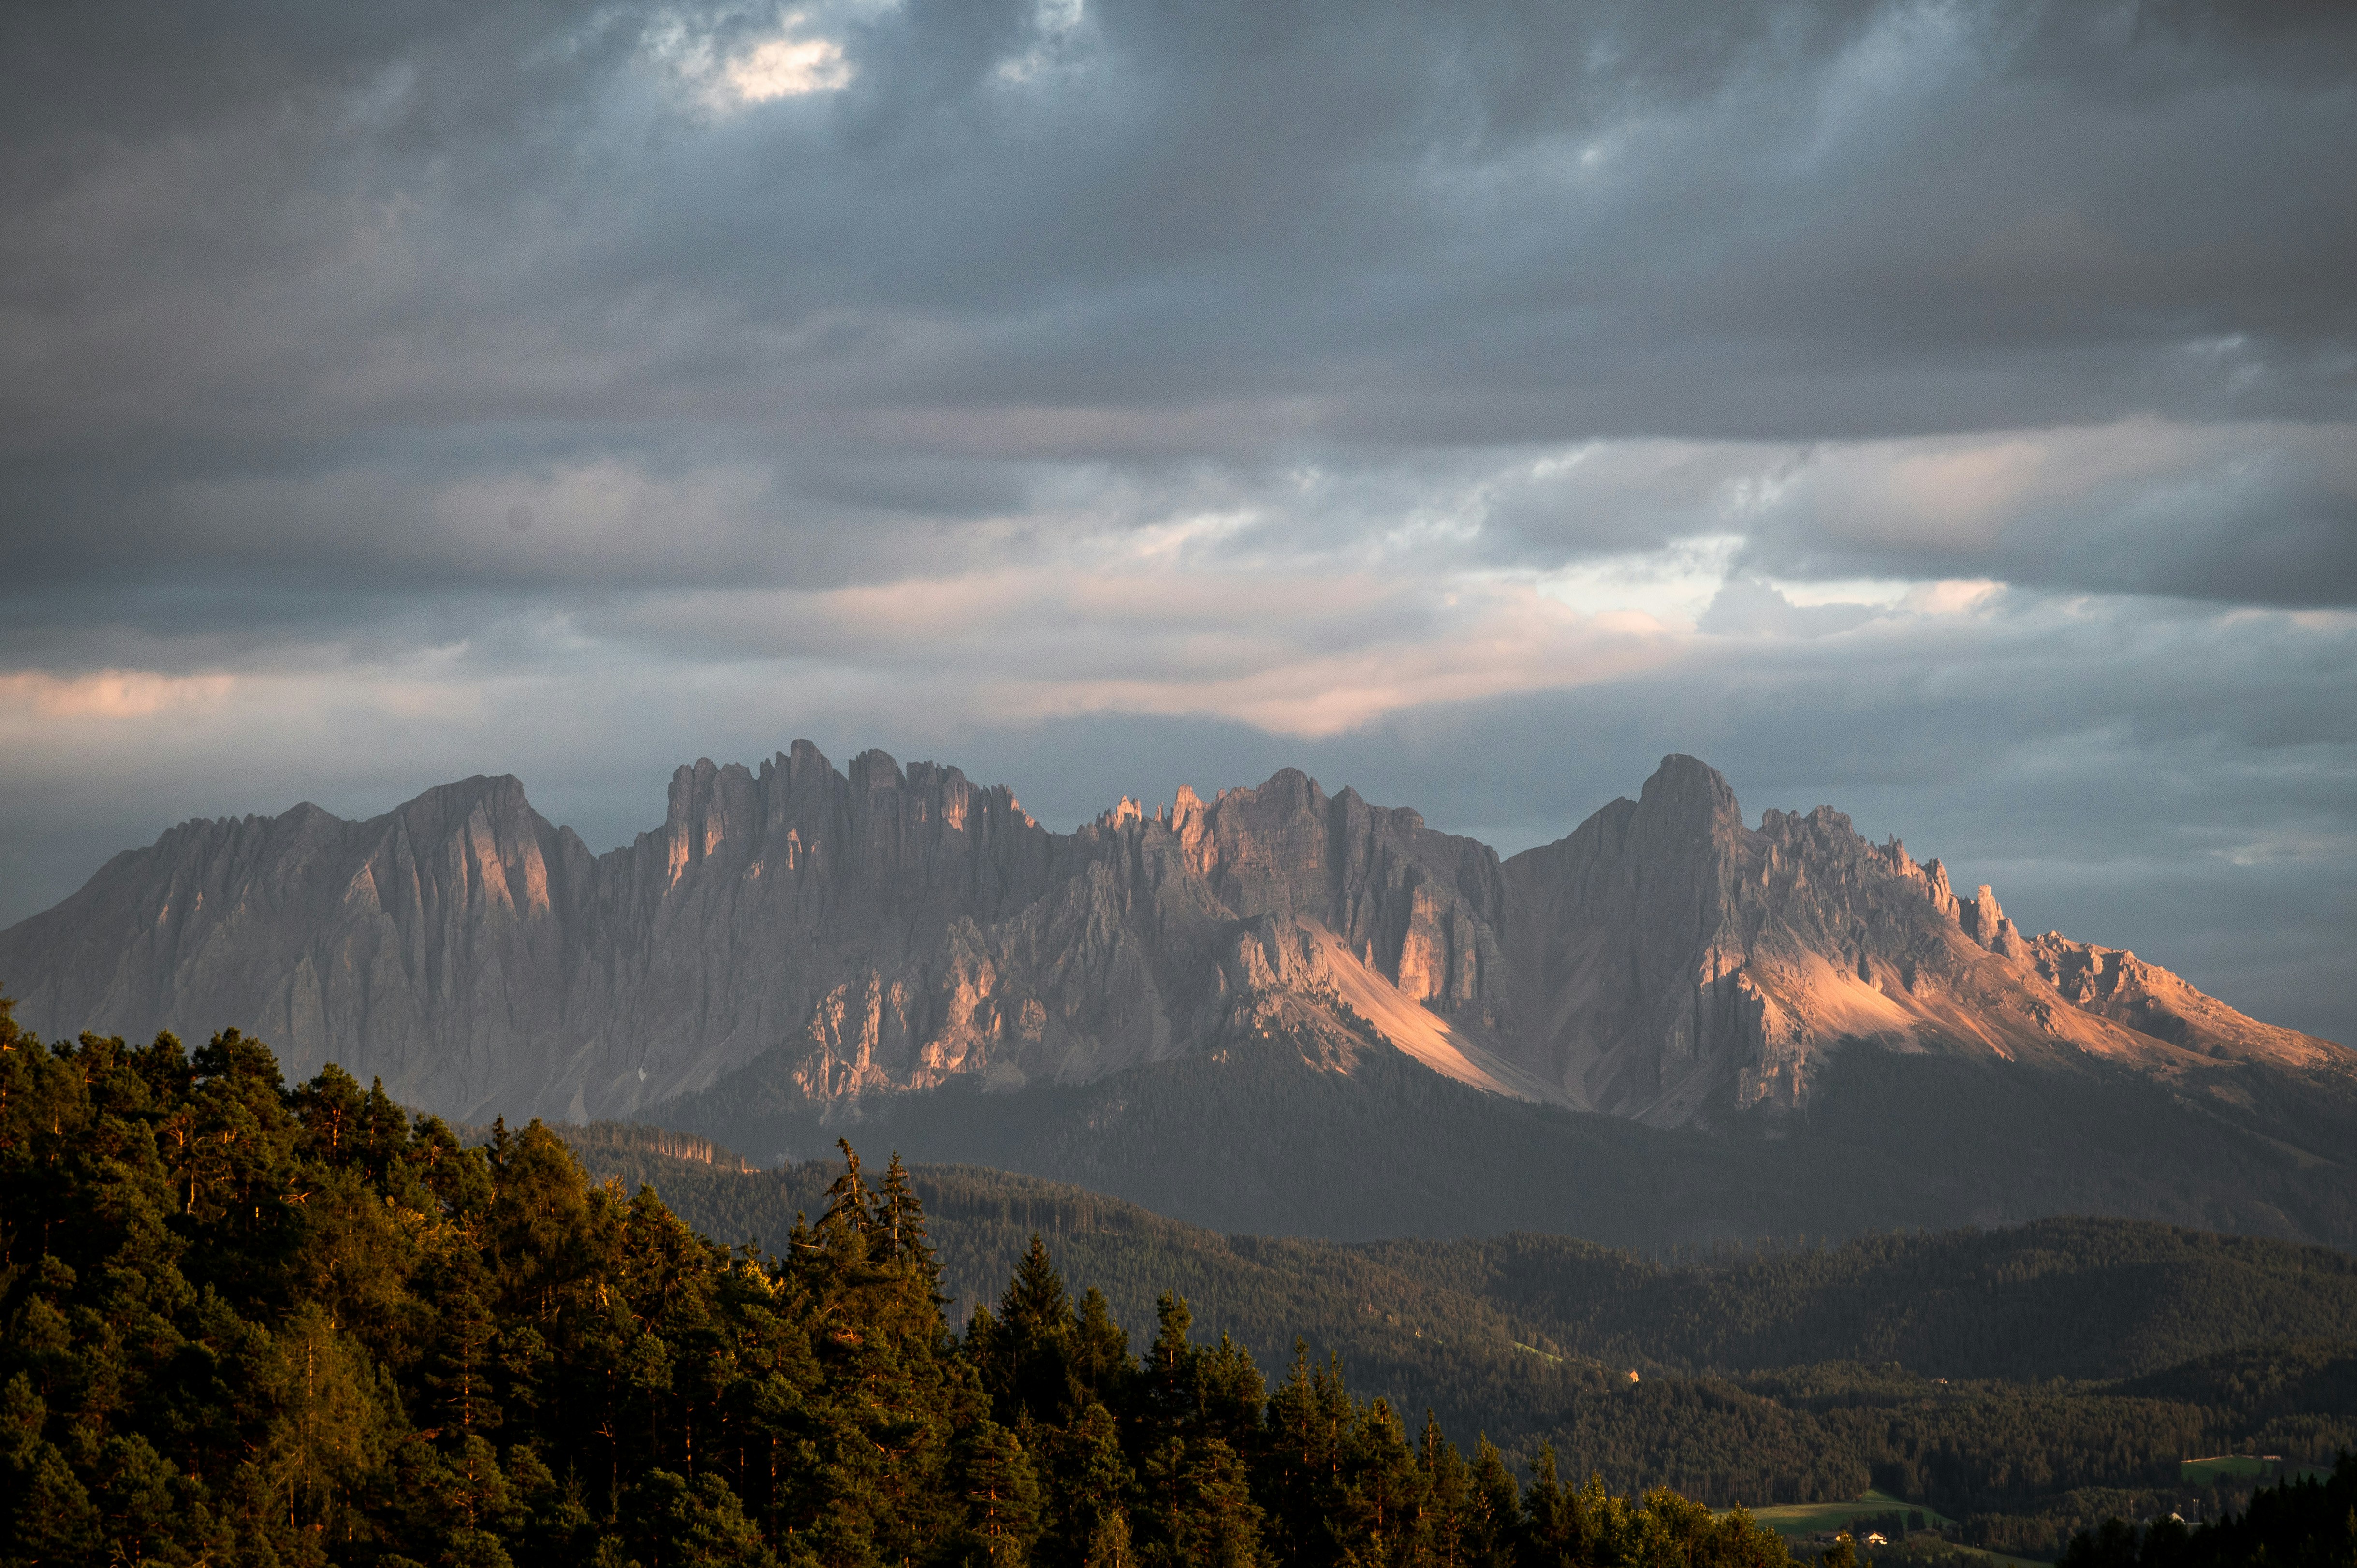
x=1947, y=410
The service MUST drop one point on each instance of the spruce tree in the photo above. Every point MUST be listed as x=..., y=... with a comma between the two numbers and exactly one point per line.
x=1379, y=1514
x=1099, y=1356
x=1029, y=1368
x=1553, y=1536
x=1298, y=1478
x=1089, y=1483
x=1198, y=1506
x=1447, y=1495
x=1494, y=1513
x=1002, y=1494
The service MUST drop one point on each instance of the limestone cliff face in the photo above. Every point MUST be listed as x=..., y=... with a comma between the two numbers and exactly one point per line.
x=479, y=960
x=883, y=929
x=1669, y=960
x=1168, y=932
x=429, y=941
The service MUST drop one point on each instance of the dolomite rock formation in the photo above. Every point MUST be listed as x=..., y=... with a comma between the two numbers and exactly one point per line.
x=884, y=930
x=1667, y=958
x=479, y=960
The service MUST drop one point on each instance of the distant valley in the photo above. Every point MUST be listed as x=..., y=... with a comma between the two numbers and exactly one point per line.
x=2025, y=1383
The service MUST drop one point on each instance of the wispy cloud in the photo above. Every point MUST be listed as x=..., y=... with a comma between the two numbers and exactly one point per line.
x=108, y=694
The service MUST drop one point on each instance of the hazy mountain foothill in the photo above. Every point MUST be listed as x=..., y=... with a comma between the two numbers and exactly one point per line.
x=1272, y=1179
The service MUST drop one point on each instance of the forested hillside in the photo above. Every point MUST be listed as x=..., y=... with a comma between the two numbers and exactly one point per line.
x=255, y=1326
x=2028, y=1380
x=2078, y=1298
x=2063, y=1297
x=250, y=1324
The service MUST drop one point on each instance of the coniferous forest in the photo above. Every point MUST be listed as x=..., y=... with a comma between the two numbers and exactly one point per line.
x=250, y=1324
x=2015, y=1386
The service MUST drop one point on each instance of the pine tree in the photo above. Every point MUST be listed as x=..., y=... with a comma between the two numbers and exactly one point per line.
x=1088, y=1482
x=1553, y=1529
x=1494, y=1513
x=461, y=1369
x=672, y=1523
x=1099, y=1356
x=900, y=1217
x=1167, y=1403
x=1029, y=1367
x=1298, y=1479
x=1198, y=1508
x=1002, y=1495
x=850, y=1210
x=1379, y=1516
x=1108, y=1544
x=1447, y=1495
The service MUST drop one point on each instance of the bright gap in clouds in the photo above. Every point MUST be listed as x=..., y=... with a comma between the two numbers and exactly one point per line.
x=789, y=67
x=790, y=62
x=1670, y=588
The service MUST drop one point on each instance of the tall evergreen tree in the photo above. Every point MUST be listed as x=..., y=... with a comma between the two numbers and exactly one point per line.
x=1002, y=1495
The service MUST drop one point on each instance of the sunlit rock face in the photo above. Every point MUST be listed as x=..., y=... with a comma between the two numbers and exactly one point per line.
x=479, y=960
x=1670, y=961
x=889, y=929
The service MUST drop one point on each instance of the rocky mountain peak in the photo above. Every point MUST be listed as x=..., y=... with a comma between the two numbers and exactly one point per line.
x=882, y=929
x=1686, y=795
x=498, y=798
x=874, y=770
x=1985, y=922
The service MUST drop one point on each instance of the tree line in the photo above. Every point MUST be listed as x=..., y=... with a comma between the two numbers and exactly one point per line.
x=250, y=1324
x=2306, y=1523
x=1512, y=1334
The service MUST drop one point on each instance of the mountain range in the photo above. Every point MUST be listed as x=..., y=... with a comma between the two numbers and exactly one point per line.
x=802, y=948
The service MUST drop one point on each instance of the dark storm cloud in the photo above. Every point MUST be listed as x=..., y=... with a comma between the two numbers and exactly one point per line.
x=2239, y=514
x=257, y=229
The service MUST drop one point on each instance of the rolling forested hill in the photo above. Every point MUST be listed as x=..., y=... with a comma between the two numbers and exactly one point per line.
x=2077, y=1298
x=2028, y=1380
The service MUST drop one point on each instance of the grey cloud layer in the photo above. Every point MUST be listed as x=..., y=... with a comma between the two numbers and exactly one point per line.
x=279, y=281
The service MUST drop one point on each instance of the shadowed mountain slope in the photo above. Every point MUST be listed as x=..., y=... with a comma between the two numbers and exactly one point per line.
x=1254, y=1136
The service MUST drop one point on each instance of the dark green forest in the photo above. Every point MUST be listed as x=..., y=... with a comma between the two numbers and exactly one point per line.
x=252, y=1324
x=2309, y=1522
x=2029, y=1381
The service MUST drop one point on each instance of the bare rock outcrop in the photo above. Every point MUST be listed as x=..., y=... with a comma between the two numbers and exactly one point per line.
x=1669, y=959
x=882, y=930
